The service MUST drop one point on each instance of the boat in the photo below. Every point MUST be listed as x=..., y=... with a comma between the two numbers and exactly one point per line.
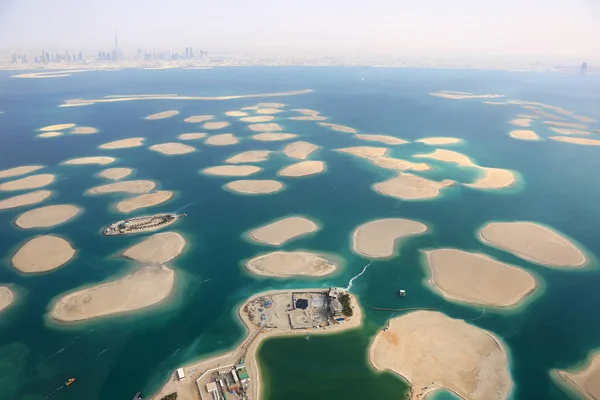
x=69, y=381
x=402, y=292
x=140, y=224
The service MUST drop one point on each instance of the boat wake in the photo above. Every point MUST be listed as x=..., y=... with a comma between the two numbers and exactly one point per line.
x=356, y=276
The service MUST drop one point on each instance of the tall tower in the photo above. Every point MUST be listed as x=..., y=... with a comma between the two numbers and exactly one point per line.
x=116, y=56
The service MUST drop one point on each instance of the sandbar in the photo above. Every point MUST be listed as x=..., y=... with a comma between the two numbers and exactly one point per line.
x=42, y=253
x=271, y=105
x=262, y=118
x=533, y=242
x=576, y=140
x=309, y=118
x=381, y=238
x=268, y=110
x=29, y=182
x=254, y=186
x=143, y=288
x=433, y=351
x=303, y=168
x=136, y=187
x=17, y=171
x=90, y=160
x=411, y=187
x=283, y=230
x=285, y=264
x=172, y=148
x=84, y=130
x=339, y=128
x=524, y=122
x=439, y=141
x=231, y=170
x=25, y=199
x=299, y=150
x=306, y=111
x=215, y=125
x=163, y=115
x=191, y=136
x=565, y=124
x=391, y=140
x=157, y=249
x=250, y=156
x=58, y=127
x=583, y=379
x=115, y=173
x=365, y=151
x=123, y=143
x=565, y=131
x=144, y=200
x=195, y=119
x=50, y=134
x=524, y=134
x=48, y=216
x=6, y=297
x=265, y=127
x=236, y=113
x=274, y=137
x=583, y=119
x=224, y=139
x=476, y=278
x=448, y=94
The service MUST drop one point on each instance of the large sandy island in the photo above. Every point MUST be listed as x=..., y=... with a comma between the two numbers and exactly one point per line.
x=16, y=171
x=172, y=149
x=58, y=127
x=299, y=150
x=191, y=136
x=25, y=199
x=236, y=113
x=533, y=242
x=143, y=201
x=569, y=131
x=225, y=139
x=143, y=288
x=381, y=238
x=285, y=264
x=433, y=351
x=123, y=143
x=254, y=186
x=30, y=182
x=524, y=122
x=115, y=173
x=524, y=134
x=45, y=217
x=163, y=115
x=476, y=278
x=339, y=128
x=231, y=170
x=411, y=187
x=584, y=379
x=6, y=297
x=576, y=140
x=265, y=127
x=273, y=137
x=250, y=156
x=215, y=125
x=268, y=110
x=282, y=231
x=439, y=141
x=303, y=168
x=566, y=124
x=136, y=187
x=261, y=118
x=391, y=140
x=84, y=130
x=195, y=119
x=43, y=253
x=90, y=160
x=157, y=249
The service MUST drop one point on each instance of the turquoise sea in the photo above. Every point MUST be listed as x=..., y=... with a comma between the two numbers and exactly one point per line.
x=113, y=358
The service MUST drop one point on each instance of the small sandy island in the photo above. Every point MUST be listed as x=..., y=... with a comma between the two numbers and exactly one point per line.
x=376, y=155
x=475, y=278
x=191, y=136
x=136, y=187
x=411, y=187
x=439, y=141
x=50, y=134
x=273, y=137
x=30, y=182
x=42, y=253
x=576, y=140
x=266, y=127
x=303, y=168
x=172, y=149
x=524, y=134
x=584, y=379
x=157, y=249
x=566, y=124
x=391, y=140
x=433, y=351
x=381, y=238
x=521, y=122
x=306, y=111
x=196, y=119
x=568, y=131
x=282, y=231
x=250, y=156
x=143, y=201
x=339, y=128
x=309, y=118
x=84, y=130
x=271, y=105
x=225, y=139
x=45, y=217
x=143, y=288
x=215, y=125
x=231, y=170
x=285, y=264
x=262, y=118
x=268, y=110
x=58, y=127
x=90, y=160
x=533, y=242
x=449, y=94
x=254, y=186
x=26, y=199
x=17, y=171
x=299, y=150
x=6, y=297
x=123, y=143
x=163, y=115
x=115, y=174
x=236, y=113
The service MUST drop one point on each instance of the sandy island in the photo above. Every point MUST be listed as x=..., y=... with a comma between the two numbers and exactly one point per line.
x=339, y=128
x=548, y=115
x=163, y=115
x=30, y=182
x=45, y=217
x=231, y=170
x=16, y=171
x=115, y=174
x=254, y=186
x=268, y=110
x=391, y=140
x=123, y=143
x=566, y=124
x=84, y=130
x=303, y=168
x=144, y=200
x=411, y=187
x=191, y=136
x=236, y=113
x=157, y=249
x=136, y=187
x=439, y=141
x=43, y=253
x=306, y=111
x=476, y=278
x=215, y=125
x=250, y=156
x=90, y=160
x=172, y=149
x=195, y=119
x=224, y=139
x=524, y=122
x=285, y=264
x=50, y=134
x=365, y=151
x=528, y=116
x=58, y=127
x=524, y=134
x=26, y=199
x=495, y=103
x=250, y=108
x=449, y=94
x=533, y=242
x=576, y=140
x=283, y=230
x=299, y=150
x=433, y=351
x=262, y=118
x=274, y=137
x=309, y=118
x=265, y=127
x=271, y=105
x=567, y=131
x=143, y=288
x=6, y=297
x=381, y=238
x=584, y=119
x=583, y=379
x=376, y=155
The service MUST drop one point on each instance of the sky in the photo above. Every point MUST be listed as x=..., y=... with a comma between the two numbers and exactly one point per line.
x=413, y=28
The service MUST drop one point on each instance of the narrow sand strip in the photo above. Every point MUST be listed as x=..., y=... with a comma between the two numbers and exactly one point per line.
x=254, y=186
x=172, y=149
x=123, y=143
x=58, y=127
x=225, y=139
x=48, y=216
x=42, y=253
x=115, y=174
x=524, y=135
x=17, y=171
x=236, y=113
x=584, y=119
x=303, y=168
x=283, y=230
x=143, y=201
x=49, y=134
x=30, y=182
x=274, y=137
x=299, y=150
x=268, y=110
x=286, y=264
x=576, y=140
x=191, y=136
x=564, y=131
x=266, y=127
x=6, y=297
x=381, y=238
x=163, y=115
x=270, y=105
x=495, y=103
x=26, y=199
x=411, y=187
x=365, y=151
x=251, y=108
x=446, y=94
x=90, y=160
x=390, y=140
x=250, y=156
x=84, y=130
x=263, y=118
x=584, y=378
x=339, y=128
x=566, y=124
x=306, y=111
x=548, y=115
x=439, y=141
x=309, y=118
x=231, y=170
x=157, y=249
x=528, y=116
x=136, y=187
x=215, y=125
x=195, y=119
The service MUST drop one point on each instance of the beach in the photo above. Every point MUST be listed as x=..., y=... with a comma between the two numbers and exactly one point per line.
x=569, y=131
x=284, y=264
x=42, y=254
x=260, y=118
x=26, y=199
x=172, y=149
x=367, y=152
x=143, y=201
x=48, y=216
x=278, y=232
x=254, y=186
x=157, y=249
x=57, y=127
x=6, y=297
x=29, y=182
x=411, y=187
x=381, y=238
x=268, y=110
x=303, y=168
x=583, y=380
x=231, y=170
x=123, y=143
x=299, y=150
x=136, y=187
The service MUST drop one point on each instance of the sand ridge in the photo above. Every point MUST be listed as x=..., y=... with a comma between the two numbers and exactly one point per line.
x=214, y=125
x=231, y=170
x=273, y=137
x=254, y=186
x=224, y=139
x=42, y=254
x=134, y=186
x=194, y=119
x=6, y=297
x=299, y=150
x=281, y=231
x=163, y=115
x=390, y=140
x=100, y=160
x=285, y=264
x=265, y=127
x=48, y=216
x=439, y=141
x=123, y=143
x=576, y=140
x=143, y=201
x=157, y=249
x=115, y=174
x=25, y=199
x=29, y=182
x=524, y=134
x=191, y=136
x=172, y=149
x=250, y=156
x=381, y=238
x=303, y=168
x=407, y=186
x=17, y=171
x=336, y=127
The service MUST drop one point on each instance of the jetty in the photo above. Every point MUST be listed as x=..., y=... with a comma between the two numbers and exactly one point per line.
x=140, y=224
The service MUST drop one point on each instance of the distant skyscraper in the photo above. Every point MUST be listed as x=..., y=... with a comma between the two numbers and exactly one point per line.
x=116, y=54
x=583, y=69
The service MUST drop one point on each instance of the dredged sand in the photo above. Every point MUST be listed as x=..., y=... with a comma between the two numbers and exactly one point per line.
x=303, y=168
x=17, y=171
x=381, y=238
x=439, y=141
x=268, y=110
x=143, y=288
x=115, y=174
x=576, y=140
x=48, y=216
x=524, y=122
x=195, y=119
x=123, y=143
x=411, y=187
x=339, y=128
x=565, y=124
x=136, y=187
x=163, y=115
x=584, y=379
x=172, y=149
x=84, y=130
x=299, y=150
x=6, y=297
x=285, y=264
x=30, y=182
x=524, y=134
x=433, y=351
x=42, y=253
x=58, y=127
x=25, y=199
x=215, y=125
x=274, y=137
x=49, y=134
x=143, y=201
x=250, y=156
x=265, y=127
x=90, y=160
x=157, y=249
x=254, y=186
x=236, y=113
x=476, y=278
x=584, y=119
x=391, y=140
x=262, y=118
x=191, y=136
x=567, y=131
x=231, y=170
x=533, y=242
x=225, y=139
x=283, y=230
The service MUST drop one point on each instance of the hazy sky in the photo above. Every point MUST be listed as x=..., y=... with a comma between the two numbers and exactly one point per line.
x=562, y=28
